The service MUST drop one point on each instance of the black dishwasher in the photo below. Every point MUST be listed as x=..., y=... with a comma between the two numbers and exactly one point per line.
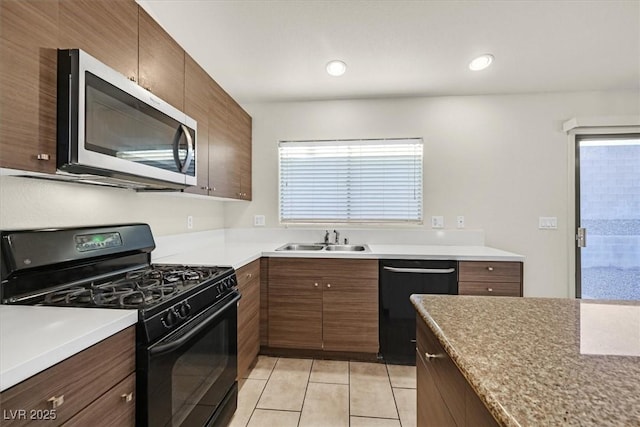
x=399, y=279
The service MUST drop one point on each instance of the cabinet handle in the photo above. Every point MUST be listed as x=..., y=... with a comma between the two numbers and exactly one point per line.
x=214, y=188
x=205, y=188
x=249, y=275
x=328, y=285
x=490, y=289
x=42, y=156
x=490, y=268
x=56, y=401
x=127, y=397
x=315, y=284
x=133, y=79
x=430, y=356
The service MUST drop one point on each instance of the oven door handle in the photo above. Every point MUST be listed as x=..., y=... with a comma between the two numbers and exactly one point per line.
x=172, y=345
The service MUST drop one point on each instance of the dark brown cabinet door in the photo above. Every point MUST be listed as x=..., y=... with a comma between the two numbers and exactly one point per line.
x=106, y=30
x=432, y=411
x=295, y=304
x=161, y=61
x=220, y=144
x=240, y=127
x=28, y=42
x=248, y=316
x=350, y=305
x=196, y=105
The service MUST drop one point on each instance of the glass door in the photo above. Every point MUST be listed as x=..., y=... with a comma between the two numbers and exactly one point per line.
x=608, y=217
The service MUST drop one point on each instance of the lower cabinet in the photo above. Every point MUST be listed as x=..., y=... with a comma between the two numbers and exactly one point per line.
x=80, y=390
x=445, y=398
x=490, y=278
x=248, y=315
x=323, y=304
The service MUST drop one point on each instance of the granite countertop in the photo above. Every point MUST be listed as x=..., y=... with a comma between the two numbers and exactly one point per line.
x=35, y=338
x=544, y=361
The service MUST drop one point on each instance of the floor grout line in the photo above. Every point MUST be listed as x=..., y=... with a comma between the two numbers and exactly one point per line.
x=395, y=401
x=262, y=392
x=304, y=398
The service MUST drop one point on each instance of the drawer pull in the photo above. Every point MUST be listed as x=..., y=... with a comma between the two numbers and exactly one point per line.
x=56, y=402
x=315, y=284
x=430, y=356
x=43, y=156
x=249, y=275
x=489, y=289
x=127, y=397
x=490, y=268
x=328, y=285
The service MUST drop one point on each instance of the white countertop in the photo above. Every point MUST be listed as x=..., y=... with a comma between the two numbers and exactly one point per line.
x=237, y=255
x=36, y=338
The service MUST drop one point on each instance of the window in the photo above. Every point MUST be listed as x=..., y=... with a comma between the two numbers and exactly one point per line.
x=375, y=180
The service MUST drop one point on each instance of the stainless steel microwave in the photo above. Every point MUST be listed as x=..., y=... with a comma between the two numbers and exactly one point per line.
x=113, y=131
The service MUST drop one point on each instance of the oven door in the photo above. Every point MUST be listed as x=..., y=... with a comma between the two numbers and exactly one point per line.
x=190, y=378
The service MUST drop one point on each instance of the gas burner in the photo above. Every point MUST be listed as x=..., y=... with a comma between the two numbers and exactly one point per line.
x=137, y=298
x=64, y=296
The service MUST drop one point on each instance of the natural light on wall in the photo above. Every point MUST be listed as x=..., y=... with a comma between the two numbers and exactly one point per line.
x=351, y=181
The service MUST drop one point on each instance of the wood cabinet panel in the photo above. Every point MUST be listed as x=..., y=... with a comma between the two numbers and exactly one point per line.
x=264, y=302
x=350, y=314
x=28, y=43
x=511, y=289
x=117, y=407
x=463, y=404
x=80, y=379
x=295, y=313
x=487, y=271
x=161, y=61
x=240, y=129
x=248, y=316
x=107, y=31
x=221, y=155
x=340, y=296
x=196, y=105
x=432, y=411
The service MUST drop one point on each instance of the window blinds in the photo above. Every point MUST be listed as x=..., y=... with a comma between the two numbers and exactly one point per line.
x=376, y=180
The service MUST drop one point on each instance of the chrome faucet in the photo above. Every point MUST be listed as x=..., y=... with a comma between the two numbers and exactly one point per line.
x=326, y=237
x=337, y=241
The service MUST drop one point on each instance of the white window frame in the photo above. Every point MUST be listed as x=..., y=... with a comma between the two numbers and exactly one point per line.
x=356, y=221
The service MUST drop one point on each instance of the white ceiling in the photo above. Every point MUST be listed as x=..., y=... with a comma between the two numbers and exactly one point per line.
x=277, y=50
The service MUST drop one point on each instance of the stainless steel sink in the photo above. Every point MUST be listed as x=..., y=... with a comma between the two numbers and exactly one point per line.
x=322, y=246
x=346, y=248
x=300, y=247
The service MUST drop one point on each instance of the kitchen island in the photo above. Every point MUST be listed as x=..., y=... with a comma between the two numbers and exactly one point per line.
x=540, y=361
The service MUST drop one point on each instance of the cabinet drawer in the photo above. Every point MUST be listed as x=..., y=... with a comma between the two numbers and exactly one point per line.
x=248, y=272
x=488, y=271
x=117, y=407
x=511, y=289
x=75, y=382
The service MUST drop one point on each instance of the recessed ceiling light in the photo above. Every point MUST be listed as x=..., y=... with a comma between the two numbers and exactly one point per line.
x=481, y=62
x=336, y=68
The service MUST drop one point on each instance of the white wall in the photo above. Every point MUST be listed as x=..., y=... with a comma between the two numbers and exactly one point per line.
x=35, y=203
x=501, y=161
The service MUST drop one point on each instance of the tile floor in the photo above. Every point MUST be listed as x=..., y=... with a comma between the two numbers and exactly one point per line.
x=283, y=392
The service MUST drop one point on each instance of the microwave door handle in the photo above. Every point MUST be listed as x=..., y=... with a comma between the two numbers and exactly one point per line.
x=182, y=167
x=174, y=344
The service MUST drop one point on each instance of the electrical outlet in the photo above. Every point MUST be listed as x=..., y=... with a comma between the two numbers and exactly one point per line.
x=460, y=221
x=548, y=223
x=258, y=220
x=190, y=222
x=437, y=222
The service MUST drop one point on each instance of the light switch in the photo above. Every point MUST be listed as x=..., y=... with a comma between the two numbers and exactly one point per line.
x=437, y=222
x=258, y=220
x=548, y=223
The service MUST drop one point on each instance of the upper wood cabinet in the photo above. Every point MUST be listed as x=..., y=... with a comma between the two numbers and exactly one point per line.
x=106, y=30
x=28, y=42
x=161, y=62
x=125, y=37
x=328, y=304
x=197, y=103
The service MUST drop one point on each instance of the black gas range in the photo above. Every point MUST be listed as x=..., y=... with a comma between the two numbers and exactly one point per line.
x=186, y=331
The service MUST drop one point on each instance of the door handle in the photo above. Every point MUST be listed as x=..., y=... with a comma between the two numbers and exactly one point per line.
x=581, y=237
x=183, y=167
x=421, y=270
